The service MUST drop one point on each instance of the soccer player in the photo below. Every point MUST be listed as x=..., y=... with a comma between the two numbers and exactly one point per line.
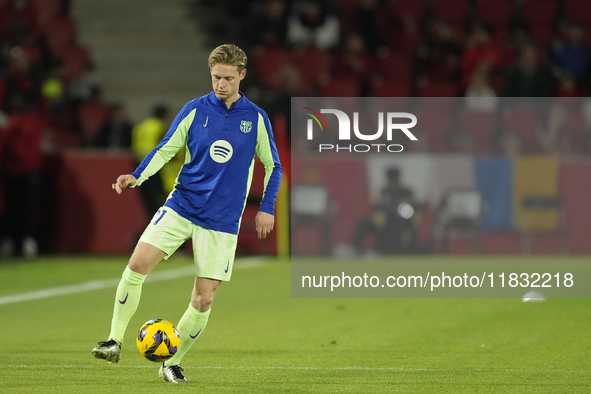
x=221, y=131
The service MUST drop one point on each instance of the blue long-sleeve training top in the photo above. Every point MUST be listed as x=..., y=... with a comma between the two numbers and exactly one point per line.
x=213, y=184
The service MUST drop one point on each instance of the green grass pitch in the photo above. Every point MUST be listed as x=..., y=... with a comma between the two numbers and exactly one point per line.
x=260, y=340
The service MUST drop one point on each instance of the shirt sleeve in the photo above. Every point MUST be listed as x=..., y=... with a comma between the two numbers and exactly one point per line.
x=267, y=152
x=174, y=140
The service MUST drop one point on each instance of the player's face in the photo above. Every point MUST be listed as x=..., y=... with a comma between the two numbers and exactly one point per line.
x=226, y=81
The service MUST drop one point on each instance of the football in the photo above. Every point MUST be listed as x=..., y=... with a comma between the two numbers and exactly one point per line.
x=158, y=340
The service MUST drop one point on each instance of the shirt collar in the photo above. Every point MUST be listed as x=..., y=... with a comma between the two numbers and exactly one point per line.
x=219, y=103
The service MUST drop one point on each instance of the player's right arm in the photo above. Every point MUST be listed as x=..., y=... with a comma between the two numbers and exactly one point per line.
x=174, y=140
x=124, y=181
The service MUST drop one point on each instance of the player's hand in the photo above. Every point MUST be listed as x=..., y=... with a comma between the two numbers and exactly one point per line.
x=264, y=224
x=123, y=182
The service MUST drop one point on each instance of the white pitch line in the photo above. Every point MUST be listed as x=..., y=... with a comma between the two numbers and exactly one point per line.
x=107, y=283
x=310, y=368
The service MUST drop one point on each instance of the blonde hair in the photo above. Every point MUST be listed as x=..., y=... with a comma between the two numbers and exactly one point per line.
x=228, y=54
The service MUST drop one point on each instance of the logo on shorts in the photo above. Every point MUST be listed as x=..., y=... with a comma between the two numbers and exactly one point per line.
x=227, y=267
x=245, y=126
x=221, y=151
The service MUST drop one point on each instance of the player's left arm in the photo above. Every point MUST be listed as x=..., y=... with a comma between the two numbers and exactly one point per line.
x=267, y=152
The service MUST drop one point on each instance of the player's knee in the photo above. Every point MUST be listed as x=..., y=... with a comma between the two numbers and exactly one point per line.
x=135, y=264
x=202, y=302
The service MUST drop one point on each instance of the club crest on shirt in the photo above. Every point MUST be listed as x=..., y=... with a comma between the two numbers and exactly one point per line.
x=245, y=126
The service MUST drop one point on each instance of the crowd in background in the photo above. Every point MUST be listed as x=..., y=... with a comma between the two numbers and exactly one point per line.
x=515, y=48
x=44, y=77
x=424, y=48
x=51, y=92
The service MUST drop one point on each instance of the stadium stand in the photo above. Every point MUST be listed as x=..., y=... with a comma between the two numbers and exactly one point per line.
x=386, y=48
x=438, y=48
x=42, y=59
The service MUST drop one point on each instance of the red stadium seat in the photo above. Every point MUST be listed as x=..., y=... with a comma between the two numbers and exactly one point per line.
x=438, y=89
x=525, y=122
x=268, y=63
x=409, y=8
x=74, y=58
x=452, y=11
x=542, y=34
x=346, y=6
x=495, y=12
x=60, y=33
x=396, y=66
x=578, y=10
x=406, y=42
x=92, y=115
x=501, y=35
x=33, y=53
x=539, y=12
x=391, y=88
x=61, y=139
x=47, y=10
x=340, y=87
x=314, y=64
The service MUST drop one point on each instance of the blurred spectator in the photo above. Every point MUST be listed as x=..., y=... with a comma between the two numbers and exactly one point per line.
x=567, y=86
x=145, y=136
x=85, y=86
x=22, y=31
x=520, y=36
x=439, y=54
x=480, y=96
x=267, y=27
x=310, y=23
x=2, y=90
x=116, y=132
x=574, y=55
x=56, y=107
x=482, y=53
x=66, y=7
x=527, y=78
x=368, y=18
x=292, y=85
x=23, y=79
x=236, y=9
x=558, y=137
x=16, y=17
x=4, y=59
x=355, y=62
x=21, y=161
x=53, y=88
x=390, y=222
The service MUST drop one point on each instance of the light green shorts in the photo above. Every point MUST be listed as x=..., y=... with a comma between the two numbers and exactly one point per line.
x=213, y=251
